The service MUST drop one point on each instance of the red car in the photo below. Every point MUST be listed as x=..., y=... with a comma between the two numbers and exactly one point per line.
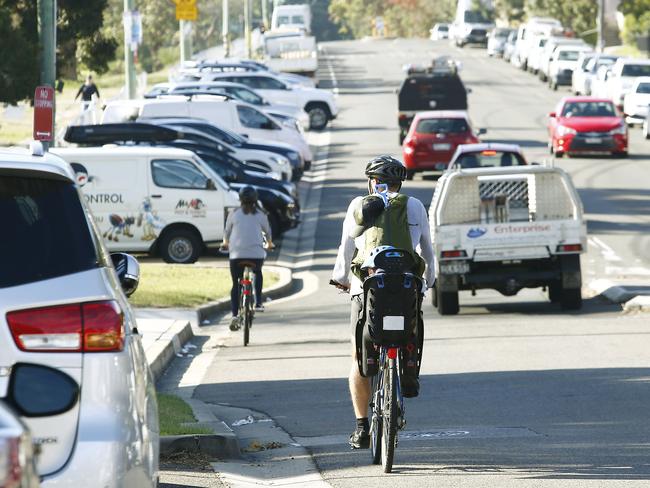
x=587, y=125
x=433, y=138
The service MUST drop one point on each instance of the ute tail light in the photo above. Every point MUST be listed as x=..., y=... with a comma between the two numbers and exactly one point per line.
x=11, y=469
x=569, y=248
x=82, y=327
x=453, y=254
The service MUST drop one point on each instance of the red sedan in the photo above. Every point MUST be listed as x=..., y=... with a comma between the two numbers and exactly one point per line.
x=587, y=125
x=433, y=138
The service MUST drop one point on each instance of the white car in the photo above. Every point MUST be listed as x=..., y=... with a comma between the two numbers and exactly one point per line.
x=635, y=106
x=439, y=32
x=598, y=84
x=563, y=63
x=68, y=334
x=549, y=49
x=583, y=79
x=622, y=77
x=497, y=41
x=17, y=452
x=319, y=104
x=536, y=47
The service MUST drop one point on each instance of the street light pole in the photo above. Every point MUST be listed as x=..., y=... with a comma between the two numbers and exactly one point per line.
x=47, y=42
x=601, y=26
x=181, y=26
x=129, y=62
x=247, y=28
x=265, y=14
x=225, y=28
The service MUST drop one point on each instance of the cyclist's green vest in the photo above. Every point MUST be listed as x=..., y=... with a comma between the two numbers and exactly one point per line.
x=390, y=229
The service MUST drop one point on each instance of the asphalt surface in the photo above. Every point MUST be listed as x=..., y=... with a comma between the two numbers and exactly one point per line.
x=514, y=391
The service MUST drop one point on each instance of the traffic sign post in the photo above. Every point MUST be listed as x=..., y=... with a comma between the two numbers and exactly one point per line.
x=44, y=114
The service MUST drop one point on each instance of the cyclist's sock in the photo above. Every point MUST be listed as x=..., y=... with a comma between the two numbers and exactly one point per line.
x=363, y=424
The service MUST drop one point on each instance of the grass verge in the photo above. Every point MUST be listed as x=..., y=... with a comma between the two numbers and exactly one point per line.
x=186, y=286
x=175, y=414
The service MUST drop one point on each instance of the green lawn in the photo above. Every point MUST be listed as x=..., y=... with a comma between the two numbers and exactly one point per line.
x=187, y=286
x=174, y=413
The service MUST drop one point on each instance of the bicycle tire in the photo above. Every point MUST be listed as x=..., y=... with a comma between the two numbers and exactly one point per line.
x=247, y=327
x=389, y=414
x=375, y=422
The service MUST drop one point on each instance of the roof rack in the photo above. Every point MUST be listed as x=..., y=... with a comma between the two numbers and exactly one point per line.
x=190, y=94
x=121, y=132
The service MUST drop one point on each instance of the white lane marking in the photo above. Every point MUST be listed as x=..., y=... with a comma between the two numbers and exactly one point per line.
x=633, y=271
x=330, y=68
x=608, y=253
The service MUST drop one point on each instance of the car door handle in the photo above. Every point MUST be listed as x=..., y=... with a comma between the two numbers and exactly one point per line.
x=156, y=196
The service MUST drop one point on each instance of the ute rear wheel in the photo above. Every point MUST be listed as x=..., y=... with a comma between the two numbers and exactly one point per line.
x=447, y=302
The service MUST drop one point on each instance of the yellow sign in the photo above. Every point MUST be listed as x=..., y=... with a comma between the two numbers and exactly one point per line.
x=186, y=10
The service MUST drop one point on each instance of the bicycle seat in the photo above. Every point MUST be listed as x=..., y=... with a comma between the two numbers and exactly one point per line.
x=250, y=264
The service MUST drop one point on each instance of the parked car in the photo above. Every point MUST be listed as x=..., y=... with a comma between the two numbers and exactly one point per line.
x=68, y=334
x=17, y=450
x=549, y=49
x=487, y=155
x=583, y=79
x=437, y=87
x=534, y=53
x=497, y=41
x=587, y=125
x=598, y=85
x=563, y=63
x=509, y=47
x=439, y=32
x=173, y=206
x=621, y=77
x=433, y=138
x=635, y=106
x=319, y=104
x=527, y=35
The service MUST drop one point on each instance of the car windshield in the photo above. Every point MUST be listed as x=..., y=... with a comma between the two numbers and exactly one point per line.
x=246, y=95
x=488, y=158
x=443, y=28
x=477, y=17
x=568, y=55
x=643, y=88
x=438, y=125
x=634, y=70
x=47, y=231
x=589, y=109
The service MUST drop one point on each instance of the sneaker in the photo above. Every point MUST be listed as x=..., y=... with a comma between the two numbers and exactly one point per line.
x=360, y=439
x=410, y=386
x=234, y=323
x=259, y=308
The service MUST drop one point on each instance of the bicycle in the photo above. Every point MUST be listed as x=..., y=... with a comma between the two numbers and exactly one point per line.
x=247, y=298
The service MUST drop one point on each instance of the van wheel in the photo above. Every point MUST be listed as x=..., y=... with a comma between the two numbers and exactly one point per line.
x=571, y=299
x=447, y=302
x=318, y=117
x=180, y=246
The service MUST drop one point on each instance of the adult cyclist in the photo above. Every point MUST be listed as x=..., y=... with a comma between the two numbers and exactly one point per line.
x=410, y=231
x=244, y=240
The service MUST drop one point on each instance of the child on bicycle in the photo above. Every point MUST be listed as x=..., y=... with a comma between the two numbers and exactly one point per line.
x=244, y=238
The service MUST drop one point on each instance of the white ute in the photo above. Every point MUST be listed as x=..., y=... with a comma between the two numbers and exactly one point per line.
x=507, y=229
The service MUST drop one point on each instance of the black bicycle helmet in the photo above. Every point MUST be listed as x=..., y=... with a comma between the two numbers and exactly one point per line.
x=386, y=169
x=248, y=194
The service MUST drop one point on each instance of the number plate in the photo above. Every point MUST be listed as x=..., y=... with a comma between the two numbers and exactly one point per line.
x=593, y=140
x=460, y=267
x=441, y=147
x=393, y=322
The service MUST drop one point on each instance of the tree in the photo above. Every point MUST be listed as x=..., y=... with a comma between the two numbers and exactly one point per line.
x=637, y=19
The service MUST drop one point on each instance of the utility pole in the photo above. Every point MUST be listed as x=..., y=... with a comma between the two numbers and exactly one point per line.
x=181, y=25
x=247, y=28
x=225, y=29
x=129, y=63
x=47, y=41
x=265, y=14
x=601, y=26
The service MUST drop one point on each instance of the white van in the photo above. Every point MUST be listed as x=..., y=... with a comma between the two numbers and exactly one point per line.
x=152, y=199
x=291, y=17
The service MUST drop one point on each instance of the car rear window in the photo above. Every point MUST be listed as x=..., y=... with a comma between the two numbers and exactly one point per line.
x=634, y=70
x=434, y=126
x=432, y=93
x=489, y=159
x=643, y=88
x=47, y=234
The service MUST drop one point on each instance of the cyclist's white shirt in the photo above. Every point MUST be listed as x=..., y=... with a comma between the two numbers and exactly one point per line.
x=420, y=237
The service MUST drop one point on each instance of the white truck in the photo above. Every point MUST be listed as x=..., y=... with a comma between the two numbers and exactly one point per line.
x=291, y=51
x=507, y=229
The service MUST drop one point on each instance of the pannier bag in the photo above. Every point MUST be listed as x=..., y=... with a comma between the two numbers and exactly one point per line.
x=391, y=307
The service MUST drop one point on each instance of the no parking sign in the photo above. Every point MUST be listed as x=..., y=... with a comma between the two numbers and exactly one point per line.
x=44, y=113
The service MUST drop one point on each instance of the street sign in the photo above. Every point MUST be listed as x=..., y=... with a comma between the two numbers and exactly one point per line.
x=44, y=113
x=186, y=10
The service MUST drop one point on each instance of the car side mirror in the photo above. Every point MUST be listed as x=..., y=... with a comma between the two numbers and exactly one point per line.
x=40, y=391
x=552, y=115
x=245, y=136
x=210, y=185
x=482, y=131
x=127, y=270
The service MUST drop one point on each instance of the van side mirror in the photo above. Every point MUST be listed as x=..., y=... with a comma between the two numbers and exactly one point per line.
x=482, y=131
x=127, y=270
x=210, y=185
x=40, y=391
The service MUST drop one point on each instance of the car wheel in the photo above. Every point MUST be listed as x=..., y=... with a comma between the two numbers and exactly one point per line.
x=180, y=246
x=447, y=302
x=410, y=174
x=554, y=86
x=318, y=117
x=646, y=129
x=402, y=136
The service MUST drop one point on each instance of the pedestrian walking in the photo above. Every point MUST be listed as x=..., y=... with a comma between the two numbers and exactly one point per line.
x=88, y=91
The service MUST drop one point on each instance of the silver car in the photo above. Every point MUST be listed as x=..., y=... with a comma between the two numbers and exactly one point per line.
x=68, y=335
x=17, y=453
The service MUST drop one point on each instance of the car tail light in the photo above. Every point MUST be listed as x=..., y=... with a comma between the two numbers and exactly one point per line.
x=84, y=327
x=11, y=462
x=488, y=152
x=456, y=253
x=569, y=248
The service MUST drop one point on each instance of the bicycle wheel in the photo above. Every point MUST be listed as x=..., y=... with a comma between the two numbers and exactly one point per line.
x=389, y=414
x=375, y=421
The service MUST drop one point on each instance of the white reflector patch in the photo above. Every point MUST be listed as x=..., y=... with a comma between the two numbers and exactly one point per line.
x=51, y=341
x=393, y=322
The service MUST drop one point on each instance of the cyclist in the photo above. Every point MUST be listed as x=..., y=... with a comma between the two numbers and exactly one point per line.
x=245, y=228
x=409, y=231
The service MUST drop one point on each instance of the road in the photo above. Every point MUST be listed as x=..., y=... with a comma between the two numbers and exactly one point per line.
x=514, y=392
